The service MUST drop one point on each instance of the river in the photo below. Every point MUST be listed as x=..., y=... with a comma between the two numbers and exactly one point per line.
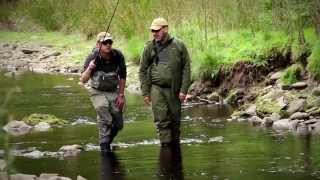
x=211, y=148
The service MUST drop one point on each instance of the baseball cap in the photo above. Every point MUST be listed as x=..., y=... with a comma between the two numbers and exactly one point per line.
x=158, y=23
x=103, y=36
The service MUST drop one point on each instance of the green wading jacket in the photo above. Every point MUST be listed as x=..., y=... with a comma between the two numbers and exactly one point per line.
x=178, y=61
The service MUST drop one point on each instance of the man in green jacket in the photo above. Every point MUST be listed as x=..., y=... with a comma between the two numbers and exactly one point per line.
x=165, y=77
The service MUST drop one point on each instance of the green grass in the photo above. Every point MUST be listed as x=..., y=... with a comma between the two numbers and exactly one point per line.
x=291, y=75
x=314, y=61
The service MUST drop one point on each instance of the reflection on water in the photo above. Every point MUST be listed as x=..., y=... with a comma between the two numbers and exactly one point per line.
x=170, y=163
x=111, y=168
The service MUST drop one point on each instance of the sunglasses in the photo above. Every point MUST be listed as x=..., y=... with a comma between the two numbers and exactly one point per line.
x=155, y=31
x=107, y=42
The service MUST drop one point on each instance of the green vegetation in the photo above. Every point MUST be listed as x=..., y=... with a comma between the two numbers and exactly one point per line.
x=291, y=75
x=314, y=61
x=217, y=32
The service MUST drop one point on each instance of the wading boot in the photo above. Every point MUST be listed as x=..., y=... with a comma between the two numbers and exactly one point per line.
x=105, y=147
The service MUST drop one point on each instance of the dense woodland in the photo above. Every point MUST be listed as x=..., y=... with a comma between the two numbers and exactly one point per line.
x=217, y=32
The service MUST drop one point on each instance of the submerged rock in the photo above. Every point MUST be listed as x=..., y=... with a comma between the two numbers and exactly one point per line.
x=70, y=150
x=42, y=127
x=17, y=128
x=34, y=154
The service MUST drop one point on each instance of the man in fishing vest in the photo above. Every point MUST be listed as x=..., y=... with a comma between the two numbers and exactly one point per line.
x=165, y=77
x=106, y=73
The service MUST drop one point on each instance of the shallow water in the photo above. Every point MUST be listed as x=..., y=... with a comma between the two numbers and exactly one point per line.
x=211, y=147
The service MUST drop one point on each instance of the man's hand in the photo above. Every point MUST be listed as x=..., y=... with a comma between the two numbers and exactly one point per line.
x=147, y=100
x=182, y=97
x=120, y=101
x=92, y=65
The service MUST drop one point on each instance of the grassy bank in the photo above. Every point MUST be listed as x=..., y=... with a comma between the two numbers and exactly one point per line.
x=207, y=56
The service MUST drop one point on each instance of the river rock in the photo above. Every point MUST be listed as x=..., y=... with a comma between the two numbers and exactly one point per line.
x=213, y=97
x=45, y=176
x=299, y=115
x=80, y=178
x=282, y=124
x=282, y=102
x=256, y=121
x=252, y=109
x=276, y=76
x=17, y=128
x=23, y=177
x=71, y=150
x=42, y=127
x=311, y=121
x=34, y=154
x=59, y=178
x=299, y=85
x=296, y=105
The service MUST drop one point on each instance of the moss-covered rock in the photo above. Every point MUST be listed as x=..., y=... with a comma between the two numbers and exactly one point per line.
x=267, y=105
x=35, y=118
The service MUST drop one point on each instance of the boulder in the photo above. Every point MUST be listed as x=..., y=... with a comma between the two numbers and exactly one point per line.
x=282, y=124
x=17, y=128
x=295, y=106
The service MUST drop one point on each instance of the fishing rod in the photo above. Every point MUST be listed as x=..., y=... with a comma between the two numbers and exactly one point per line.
x=108, y=27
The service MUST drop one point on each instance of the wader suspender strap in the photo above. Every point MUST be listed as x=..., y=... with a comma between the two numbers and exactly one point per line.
x=156, y=56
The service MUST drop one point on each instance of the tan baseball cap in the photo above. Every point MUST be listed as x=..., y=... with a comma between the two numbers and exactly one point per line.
x=103, y=36
x=158, y=23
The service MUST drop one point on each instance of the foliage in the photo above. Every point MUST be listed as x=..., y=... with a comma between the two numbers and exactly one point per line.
x=133, y=49
x=34, y=119
x=291, y=74
x=314, y=61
